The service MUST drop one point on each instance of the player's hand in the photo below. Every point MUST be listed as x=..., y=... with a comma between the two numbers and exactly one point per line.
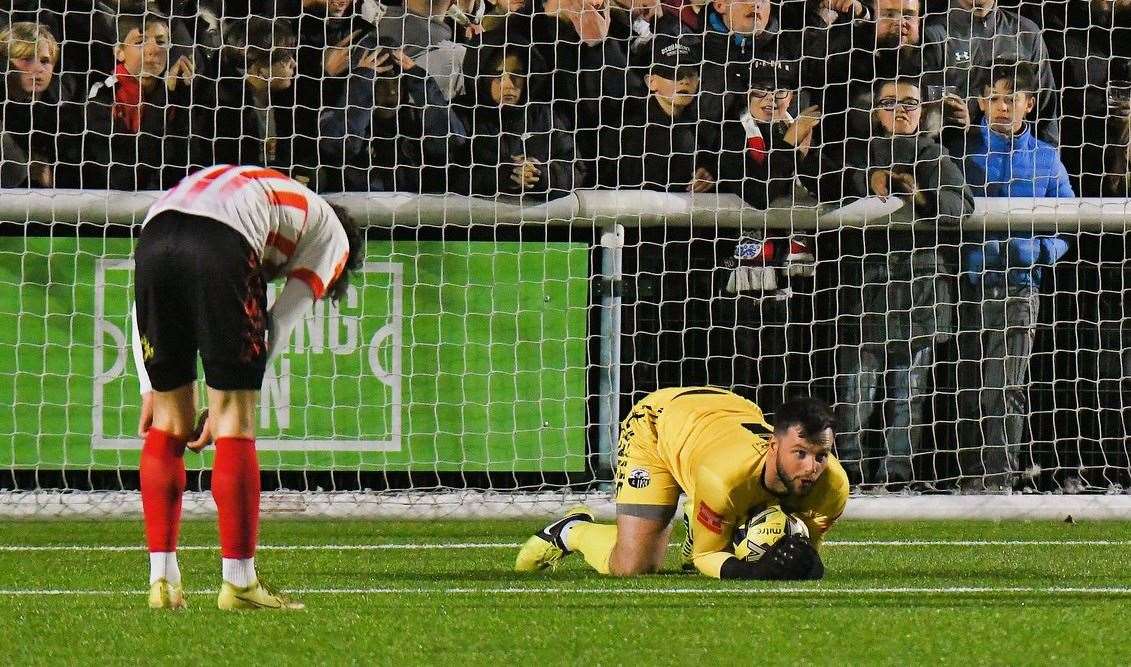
x=182, y=70
x=202, y=433
x=702, y=181
x=792, y=558
x=146, y=419
x=336, y=58
x=956, y=112
x=527, y=172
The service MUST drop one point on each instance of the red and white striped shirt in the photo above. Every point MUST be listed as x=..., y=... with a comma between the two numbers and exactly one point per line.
x=286, y=223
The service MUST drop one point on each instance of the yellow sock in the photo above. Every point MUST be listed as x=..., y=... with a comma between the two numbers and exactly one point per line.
x=595, y=541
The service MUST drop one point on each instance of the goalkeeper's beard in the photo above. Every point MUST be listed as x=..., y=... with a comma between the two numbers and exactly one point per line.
x=792, y=486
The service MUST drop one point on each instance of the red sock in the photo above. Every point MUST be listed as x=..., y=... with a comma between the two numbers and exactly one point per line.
x=162, y=474
x=235, y=488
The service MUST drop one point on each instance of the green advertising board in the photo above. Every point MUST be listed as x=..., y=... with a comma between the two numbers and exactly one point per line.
x=444, y=356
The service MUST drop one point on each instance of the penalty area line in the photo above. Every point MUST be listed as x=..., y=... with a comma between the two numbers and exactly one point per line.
x=690, y=590
x=444, y=546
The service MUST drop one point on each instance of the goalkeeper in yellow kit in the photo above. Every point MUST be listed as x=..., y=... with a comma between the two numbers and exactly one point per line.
x=718, y=449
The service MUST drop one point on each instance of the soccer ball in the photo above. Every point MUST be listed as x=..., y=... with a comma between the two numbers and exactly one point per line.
x=754, y=538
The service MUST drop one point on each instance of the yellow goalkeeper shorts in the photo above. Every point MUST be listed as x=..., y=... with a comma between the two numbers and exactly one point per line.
x=645, y=486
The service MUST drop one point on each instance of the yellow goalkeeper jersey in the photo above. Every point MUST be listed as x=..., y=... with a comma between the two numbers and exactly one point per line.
x=711, y=444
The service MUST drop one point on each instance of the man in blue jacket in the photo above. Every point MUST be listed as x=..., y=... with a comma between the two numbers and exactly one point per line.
x=1001, y=279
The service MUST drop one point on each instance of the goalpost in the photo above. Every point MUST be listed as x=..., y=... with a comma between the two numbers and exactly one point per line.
x=475, y=370
x=483, y=357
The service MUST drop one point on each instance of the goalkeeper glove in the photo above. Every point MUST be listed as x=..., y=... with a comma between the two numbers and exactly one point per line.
x=793, y=557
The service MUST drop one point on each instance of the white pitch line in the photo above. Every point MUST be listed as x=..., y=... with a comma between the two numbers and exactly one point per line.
x=806, y=590
x=514, y=545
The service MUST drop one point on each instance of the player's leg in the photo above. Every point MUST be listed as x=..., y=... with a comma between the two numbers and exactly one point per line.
x=646, y=497
x=638, y=545
x=232, y=325
x=169, y=356
x=163, y=479
x=235, y=481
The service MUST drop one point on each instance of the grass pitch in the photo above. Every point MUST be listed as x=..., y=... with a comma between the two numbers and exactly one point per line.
x=444, y=593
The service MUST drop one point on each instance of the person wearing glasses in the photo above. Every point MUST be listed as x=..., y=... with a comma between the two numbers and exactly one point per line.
x=840, y=61
x=896, y=295
x=763, y=147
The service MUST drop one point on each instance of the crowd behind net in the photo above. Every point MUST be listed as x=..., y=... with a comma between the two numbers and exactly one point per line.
x=913, y=209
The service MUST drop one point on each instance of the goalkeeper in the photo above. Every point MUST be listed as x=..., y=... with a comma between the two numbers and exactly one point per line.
x=718, y=449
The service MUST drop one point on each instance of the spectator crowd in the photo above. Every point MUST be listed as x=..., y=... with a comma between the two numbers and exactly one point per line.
x=773, y=100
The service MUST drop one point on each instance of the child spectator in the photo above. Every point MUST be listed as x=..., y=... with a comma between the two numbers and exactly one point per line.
x=657, y=145
x=764, y=147
x=974, y=34
x=902, y=303
x=35, y=143
x=517, y=144
x=1003, y=158
x=138, y=119
x=236, y=113
x=1002, y=274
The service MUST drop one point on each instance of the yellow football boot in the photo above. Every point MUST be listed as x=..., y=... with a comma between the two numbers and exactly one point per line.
x=545, y=549
x=163, y=595
x=255, y=596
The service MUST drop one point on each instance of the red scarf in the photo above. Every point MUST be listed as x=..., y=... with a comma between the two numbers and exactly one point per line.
x=127, y=100
x=755, y=143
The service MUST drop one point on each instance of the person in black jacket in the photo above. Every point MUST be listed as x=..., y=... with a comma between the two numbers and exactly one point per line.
x=733, y=33
x=235, y=115
x=38, y=150
x=390, y=130
x=840, y=63
x=657, y=145
x=896, y=288
x=517, y=145
x=137, y=119
x=588, y=69
x=764, y=147
x=327, y=50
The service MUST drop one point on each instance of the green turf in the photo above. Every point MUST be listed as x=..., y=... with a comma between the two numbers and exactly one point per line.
x=589, y=620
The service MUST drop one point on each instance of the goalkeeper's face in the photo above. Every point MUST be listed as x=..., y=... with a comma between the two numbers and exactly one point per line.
x=801, y=460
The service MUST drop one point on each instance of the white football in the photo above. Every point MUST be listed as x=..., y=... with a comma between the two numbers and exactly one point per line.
x=755, y=537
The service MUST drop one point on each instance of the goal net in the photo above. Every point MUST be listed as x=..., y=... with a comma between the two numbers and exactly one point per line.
x=913, y=210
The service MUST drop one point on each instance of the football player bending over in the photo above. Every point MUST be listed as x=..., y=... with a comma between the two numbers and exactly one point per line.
x=718, y=449
x=208, y=248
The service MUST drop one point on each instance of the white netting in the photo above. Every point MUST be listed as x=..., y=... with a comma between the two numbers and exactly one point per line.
x=890, y=204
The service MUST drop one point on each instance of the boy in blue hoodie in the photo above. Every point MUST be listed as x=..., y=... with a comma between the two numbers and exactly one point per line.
x=1001, y=279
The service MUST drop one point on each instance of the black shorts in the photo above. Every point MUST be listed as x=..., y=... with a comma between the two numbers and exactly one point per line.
x=199, y=288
